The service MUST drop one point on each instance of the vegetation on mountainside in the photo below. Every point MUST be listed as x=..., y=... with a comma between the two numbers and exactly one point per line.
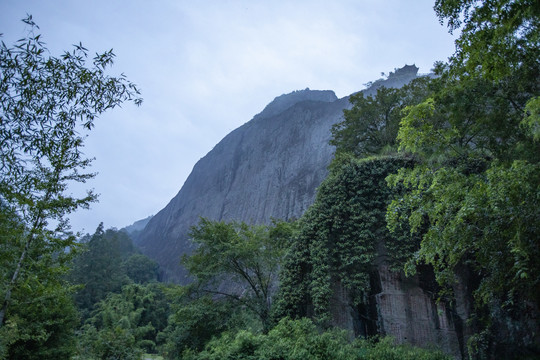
x=107, y=261
x=474, y=196
x=471, y=200
x=370, y=127
x=338, y=237
x=244, y=257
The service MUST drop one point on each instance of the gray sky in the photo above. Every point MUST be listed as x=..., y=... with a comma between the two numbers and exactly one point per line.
x=207, y=67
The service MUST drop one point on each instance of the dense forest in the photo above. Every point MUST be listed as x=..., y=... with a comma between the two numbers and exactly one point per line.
x=442, y=174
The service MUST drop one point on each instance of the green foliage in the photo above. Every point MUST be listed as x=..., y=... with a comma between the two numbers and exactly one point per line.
x=109, y=344
x=125, y=325
x=532, y=118
x=107, y=262
x=386, y=349
x=141, y=269
x=299, y=340
x=467, y=117
x=100, y=269
x=245, y=257
x=499, y=39
x=486, y=219
x=371, y=126
x=46, y=105
x=41, y=320
x=474, y=195
x=195, y=320
x=338, y=237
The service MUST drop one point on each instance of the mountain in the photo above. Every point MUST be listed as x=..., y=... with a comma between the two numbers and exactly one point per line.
x=135, y=229
x=269, y=167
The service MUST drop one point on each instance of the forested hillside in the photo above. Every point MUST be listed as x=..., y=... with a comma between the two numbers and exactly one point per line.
x=426, y=227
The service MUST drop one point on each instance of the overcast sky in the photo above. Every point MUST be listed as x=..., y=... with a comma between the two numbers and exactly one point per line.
x=207, y=67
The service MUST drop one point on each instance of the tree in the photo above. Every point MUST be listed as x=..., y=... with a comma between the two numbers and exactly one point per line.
x=124, y=325
x=499, y=39
x=46, y=104
x=42, y=319
x=474, y=195
x=99, y=267
x=371, y=125
x=141, y=269
x=196, y=319
x=43, y=316
x=239, y=261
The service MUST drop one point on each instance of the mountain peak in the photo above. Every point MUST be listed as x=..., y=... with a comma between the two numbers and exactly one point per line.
x=285, y=101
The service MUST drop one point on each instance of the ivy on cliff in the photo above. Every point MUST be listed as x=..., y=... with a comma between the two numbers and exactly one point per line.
x=339, y=237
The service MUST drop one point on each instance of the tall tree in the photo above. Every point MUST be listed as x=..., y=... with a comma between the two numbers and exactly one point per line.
x=239, y=261
x=474, y=197
x=47, y=103
x=99, y=267
x=499, y=38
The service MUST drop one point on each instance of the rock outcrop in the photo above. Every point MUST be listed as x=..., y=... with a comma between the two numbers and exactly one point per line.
x=402, y=307
x=268, y=168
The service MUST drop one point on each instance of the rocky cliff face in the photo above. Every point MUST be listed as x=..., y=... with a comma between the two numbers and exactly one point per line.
x=404, y=308
x=407, y=309
x=137, y=226
x=268, y=168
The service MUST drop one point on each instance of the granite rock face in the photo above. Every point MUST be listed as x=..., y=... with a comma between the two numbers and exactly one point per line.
x=137, y=226
x=402, y=307
x=407, y=309
x=268, y=168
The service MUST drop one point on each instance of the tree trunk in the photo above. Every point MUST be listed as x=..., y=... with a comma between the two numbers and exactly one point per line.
x=7, y=298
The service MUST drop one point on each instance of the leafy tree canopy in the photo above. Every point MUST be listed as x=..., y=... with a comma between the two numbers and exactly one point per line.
x=239, y=261
x=371, y=125
x=499, y=39
x=474, y=195
x=197, y=318
x=47, y=104
x=125, y=324
x=106, y=262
